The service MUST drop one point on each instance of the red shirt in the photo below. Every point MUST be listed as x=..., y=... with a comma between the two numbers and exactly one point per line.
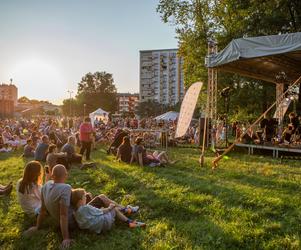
x=85, y=131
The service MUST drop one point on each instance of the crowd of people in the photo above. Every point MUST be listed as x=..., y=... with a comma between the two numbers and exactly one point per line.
x=268, y=131
x=52, y=146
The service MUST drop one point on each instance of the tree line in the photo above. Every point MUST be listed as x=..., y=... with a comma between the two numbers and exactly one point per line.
x=197, y=21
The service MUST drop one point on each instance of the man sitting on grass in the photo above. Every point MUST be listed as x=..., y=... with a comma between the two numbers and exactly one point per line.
x=55, y=198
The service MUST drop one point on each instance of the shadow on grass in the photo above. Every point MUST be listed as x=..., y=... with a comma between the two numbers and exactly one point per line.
x=159, y=207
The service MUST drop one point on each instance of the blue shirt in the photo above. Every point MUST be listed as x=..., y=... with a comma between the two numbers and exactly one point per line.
x=89, y=217
x=40, y=153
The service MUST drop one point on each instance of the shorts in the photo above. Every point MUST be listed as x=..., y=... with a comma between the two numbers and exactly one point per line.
x=109, y=219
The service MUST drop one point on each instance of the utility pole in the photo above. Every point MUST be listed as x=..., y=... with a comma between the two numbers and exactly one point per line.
x=70, y=93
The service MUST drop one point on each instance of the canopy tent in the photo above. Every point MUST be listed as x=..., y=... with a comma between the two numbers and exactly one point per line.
x=168, y=116
x=99, y=114
x=261, y=57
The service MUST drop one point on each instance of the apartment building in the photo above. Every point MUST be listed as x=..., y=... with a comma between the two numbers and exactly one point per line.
x=127, y=102
x=161, y=76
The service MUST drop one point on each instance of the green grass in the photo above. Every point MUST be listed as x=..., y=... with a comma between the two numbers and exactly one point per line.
x=250, y=202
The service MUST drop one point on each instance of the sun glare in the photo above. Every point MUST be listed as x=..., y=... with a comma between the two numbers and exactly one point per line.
x=38, y=79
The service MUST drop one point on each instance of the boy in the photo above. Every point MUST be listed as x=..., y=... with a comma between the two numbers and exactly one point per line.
x=95, y=219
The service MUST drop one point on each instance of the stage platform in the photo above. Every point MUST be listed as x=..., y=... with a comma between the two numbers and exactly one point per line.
x=275, y=150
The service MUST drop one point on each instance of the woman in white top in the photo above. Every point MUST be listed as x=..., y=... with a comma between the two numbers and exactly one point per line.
x=29, y=188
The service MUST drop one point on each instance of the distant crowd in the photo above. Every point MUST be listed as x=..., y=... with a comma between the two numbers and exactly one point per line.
x=54, y=146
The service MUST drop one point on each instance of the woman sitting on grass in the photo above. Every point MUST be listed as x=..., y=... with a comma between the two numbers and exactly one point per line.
x=6, y=190
x=124, y=152
x=148, y=159
x=95, y=219
x=29, y=188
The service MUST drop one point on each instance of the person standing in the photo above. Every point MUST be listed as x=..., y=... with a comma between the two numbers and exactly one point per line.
x=85, y=136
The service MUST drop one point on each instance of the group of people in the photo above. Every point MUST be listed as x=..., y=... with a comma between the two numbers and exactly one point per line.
x=268, y=131
x=51, y=149
x=68, y=208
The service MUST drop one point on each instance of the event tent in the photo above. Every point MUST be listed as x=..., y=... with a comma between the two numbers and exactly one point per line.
x=261, y=57
x=99, y=114
x=168, y=116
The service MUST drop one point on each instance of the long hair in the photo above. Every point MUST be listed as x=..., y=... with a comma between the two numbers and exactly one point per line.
x=126, y=141
x=33, y=174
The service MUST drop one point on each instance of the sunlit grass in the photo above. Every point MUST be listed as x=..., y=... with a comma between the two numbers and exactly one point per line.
x=250, y=202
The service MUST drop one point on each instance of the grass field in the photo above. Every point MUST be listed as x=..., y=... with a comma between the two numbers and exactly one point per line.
x=250, y=202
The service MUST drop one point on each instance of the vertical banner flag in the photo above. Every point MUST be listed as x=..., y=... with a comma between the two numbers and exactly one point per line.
x=187, y=108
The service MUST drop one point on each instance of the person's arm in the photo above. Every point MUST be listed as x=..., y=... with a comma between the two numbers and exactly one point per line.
x=64, y=225
x=40, y=219
x=108, y=209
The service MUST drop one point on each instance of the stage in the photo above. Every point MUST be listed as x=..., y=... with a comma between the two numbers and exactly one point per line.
x=275, y=149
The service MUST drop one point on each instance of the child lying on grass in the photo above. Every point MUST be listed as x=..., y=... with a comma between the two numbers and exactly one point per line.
x=95, y=219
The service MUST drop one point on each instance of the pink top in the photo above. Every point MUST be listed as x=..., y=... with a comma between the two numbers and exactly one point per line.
x=85, y=131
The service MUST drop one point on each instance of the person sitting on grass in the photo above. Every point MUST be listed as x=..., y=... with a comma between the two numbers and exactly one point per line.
x=95, y=219
x=124, y=152
x=29, y=149
x=69, y=149
x=6, y=190
x=53, y=158
x=143, y=158
x=42, y=149
x=55, y=197
x=29, y=188
x=118, y=138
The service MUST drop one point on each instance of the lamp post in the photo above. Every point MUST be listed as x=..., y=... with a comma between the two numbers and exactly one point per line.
x=70, y=93
x=85, y=109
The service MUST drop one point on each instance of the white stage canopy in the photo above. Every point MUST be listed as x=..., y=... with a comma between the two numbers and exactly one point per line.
x=99, y=114
x=168, y=116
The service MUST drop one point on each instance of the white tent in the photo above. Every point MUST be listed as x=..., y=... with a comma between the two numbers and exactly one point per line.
x=169, y=116
x=99, y=114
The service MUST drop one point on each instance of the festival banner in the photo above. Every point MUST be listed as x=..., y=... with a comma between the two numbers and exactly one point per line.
x=187, y=108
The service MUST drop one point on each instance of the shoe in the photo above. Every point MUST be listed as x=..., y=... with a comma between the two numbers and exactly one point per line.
x=131, y=210
x=135, y=224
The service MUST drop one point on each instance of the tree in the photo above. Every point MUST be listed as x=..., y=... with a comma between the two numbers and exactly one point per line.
x=94, y=91
x=197, y=21
x=150, y=108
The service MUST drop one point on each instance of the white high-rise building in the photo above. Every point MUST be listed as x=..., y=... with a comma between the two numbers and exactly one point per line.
x=161, y=76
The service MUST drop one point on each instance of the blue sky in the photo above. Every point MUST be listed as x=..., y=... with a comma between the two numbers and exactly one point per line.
x=47, y=46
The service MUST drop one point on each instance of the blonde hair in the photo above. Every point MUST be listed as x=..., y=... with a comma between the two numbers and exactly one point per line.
x=76, y=195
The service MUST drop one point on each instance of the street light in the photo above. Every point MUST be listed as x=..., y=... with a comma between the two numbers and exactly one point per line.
x=70, y=93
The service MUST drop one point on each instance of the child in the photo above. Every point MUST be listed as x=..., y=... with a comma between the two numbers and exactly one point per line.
x=95, y=219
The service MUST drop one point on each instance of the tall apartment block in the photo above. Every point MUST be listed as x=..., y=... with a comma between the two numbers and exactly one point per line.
x=8, y=99
x=161, y=76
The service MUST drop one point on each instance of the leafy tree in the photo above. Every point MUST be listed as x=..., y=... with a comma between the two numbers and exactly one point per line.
x=97, y=90
x=150, y=108
x=197, y=21
x=94, y=91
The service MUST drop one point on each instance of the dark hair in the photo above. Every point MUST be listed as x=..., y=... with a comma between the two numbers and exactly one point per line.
x=87, y=119
x=51, y=148
x=138, y=140
x=126, y=141
x=29, y=141
x=32, y=174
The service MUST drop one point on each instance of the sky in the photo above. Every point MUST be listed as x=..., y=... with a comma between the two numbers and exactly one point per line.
x=46, y=47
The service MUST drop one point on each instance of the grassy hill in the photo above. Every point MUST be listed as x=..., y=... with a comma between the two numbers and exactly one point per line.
x=250, y=202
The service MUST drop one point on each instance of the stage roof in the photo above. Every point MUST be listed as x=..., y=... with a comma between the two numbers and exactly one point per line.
x=261, y=57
